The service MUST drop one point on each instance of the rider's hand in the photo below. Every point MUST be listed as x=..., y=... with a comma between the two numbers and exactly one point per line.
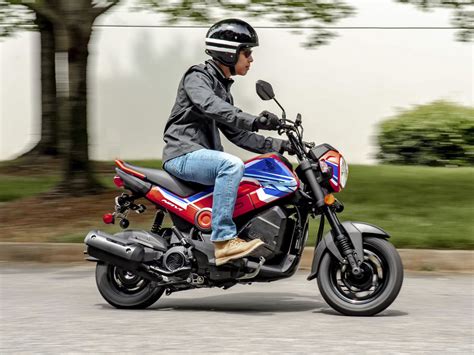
x=287, y=147
x=266, y=120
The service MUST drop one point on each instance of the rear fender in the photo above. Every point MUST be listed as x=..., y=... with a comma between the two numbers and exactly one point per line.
x=356, y=232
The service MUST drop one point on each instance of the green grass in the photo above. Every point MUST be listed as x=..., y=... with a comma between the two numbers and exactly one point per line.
x=420, y=207
x=15, y=187
x=152, y=164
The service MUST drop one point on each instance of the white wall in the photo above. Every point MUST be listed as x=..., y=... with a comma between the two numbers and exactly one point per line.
x=342, y=90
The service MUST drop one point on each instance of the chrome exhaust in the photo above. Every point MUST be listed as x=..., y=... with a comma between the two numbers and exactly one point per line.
x=113, y=245
x=126, y=254
x=116, y=251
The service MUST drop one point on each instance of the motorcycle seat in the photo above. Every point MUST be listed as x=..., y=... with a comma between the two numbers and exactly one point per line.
x=167, y=181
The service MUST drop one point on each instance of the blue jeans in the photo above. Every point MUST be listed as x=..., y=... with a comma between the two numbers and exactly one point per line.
x=224, y=171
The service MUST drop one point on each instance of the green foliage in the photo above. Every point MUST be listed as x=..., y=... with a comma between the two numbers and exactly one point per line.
x=436, y=134
x=463, y=14
x=13, y=17
x=294, y=14
x=16, y=14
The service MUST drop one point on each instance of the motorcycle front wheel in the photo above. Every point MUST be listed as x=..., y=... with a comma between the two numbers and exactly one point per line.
x=123, y=289
x=371, y=292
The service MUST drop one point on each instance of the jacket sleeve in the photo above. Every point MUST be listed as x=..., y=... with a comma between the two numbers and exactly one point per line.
x=251, y=141
x=198, y=87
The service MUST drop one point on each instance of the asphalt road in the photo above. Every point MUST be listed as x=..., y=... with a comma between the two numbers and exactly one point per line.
x=59, y=310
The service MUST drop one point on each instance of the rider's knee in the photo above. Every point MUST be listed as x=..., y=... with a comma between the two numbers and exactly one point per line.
x=235, y=165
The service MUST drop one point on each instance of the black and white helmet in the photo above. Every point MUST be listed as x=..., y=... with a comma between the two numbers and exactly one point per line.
x=226, y=38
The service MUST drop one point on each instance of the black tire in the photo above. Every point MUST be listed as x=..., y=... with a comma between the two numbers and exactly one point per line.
x=123, y=289
x=370, y=294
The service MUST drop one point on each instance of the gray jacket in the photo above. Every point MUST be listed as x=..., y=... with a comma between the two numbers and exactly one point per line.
x=204, y=106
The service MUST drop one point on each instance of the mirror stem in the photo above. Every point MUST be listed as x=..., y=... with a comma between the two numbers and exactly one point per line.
x=283, y=115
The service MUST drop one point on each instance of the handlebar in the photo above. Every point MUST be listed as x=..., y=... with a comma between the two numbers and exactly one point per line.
x=294, y=132
x=284, y=126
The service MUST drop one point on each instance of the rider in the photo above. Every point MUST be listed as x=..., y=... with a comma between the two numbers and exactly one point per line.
x=203, y=107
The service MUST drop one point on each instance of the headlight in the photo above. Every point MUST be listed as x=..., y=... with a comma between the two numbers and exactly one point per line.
x=344, y=172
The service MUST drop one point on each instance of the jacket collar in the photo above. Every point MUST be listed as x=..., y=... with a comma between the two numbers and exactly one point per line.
x=219, y=73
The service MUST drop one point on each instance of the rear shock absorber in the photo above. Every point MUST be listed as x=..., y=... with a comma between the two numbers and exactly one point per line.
x=158, y=221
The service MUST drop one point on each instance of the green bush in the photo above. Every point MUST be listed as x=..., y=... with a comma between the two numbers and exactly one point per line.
x=438, y=134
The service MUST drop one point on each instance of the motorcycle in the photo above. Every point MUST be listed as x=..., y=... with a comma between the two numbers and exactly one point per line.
x=358, y=272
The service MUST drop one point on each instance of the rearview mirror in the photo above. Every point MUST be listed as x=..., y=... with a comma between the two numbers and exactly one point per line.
x=264, y=90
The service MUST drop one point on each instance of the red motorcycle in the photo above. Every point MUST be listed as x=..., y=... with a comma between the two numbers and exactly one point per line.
x=358, y=271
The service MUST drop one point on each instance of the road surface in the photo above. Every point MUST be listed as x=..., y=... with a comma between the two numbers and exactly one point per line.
x=57, y=309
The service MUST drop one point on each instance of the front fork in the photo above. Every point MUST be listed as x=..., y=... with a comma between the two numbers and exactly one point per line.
x=341, y=240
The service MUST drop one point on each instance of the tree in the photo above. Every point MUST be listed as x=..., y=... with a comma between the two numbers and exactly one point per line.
x=297, y=14
x=463, y=17
x=14, y=18
x=72, y=23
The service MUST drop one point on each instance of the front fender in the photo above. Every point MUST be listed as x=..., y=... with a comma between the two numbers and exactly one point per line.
x=356, y=232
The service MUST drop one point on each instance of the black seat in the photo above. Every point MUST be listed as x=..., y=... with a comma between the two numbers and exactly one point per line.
x=169, y=182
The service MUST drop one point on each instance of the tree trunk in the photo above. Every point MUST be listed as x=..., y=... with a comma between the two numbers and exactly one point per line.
x=72, y=24
x=48, y=143
x=78, y=178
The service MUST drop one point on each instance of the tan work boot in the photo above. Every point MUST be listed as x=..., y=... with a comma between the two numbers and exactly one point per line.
x=234, y=249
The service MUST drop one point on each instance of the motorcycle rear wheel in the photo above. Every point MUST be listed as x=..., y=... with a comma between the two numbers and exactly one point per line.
x=373, y=291
x=123, y=289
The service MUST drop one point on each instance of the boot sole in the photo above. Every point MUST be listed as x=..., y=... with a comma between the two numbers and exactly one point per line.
x=224, y=260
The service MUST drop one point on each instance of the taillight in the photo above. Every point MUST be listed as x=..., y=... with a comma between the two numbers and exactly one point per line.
x=118, y=181
x=108, y=218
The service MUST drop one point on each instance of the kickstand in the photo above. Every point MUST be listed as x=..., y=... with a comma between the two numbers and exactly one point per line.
x=255, y=272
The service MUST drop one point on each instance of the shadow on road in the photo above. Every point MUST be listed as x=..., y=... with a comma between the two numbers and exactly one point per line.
x=248, y=302
x=261, y=303
x=255, y=303
x=386, y=313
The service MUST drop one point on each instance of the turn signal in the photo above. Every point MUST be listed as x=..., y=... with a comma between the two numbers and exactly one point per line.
x=108, y=218
x=329, y=199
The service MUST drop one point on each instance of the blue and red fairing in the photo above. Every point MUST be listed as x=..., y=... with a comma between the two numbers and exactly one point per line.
x=266, y=179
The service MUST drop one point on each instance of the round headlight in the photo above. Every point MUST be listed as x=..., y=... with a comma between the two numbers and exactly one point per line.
x=344, y=172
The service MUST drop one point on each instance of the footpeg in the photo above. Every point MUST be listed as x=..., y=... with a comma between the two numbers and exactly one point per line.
x=255, y=272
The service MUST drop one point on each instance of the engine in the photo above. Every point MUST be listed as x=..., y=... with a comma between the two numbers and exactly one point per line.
x=271, y=226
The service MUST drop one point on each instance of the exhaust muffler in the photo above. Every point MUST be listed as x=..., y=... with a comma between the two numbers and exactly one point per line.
x=119, y=252
x=115, y=246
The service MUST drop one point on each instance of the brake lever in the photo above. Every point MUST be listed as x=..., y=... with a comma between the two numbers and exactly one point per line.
x=282, y=128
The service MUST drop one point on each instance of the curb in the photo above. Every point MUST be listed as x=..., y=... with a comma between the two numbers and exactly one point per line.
x=461, y=261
